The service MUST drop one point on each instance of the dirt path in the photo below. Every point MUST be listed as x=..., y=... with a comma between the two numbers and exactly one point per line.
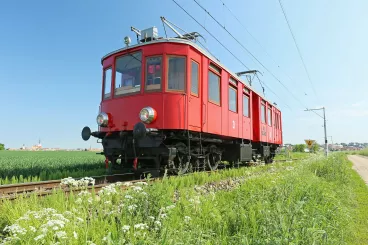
x=360, y=164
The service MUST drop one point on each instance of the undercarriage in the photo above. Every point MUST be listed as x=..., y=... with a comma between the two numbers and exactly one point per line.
x=177, y=151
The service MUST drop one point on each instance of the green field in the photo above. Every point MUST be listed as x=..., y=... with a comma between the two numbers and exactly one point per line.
x=29, y=166
x=314, y=201
x=26, y=166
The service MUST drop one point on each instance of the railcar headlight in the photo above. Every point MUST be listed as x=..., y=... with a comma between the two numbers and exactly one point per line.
x=102, y=119
x=147, y=114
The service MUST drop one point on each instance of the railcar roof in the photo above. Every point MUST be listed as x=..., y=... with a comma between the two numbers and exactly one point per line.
x=194, y=45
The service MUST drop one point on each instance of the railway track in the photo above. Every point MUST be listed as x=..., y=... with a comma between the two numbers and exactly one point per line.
x=43, y=188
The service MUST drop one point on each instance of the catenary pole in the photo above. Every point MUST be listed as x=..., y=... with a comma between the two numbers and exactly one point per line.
x=324, y=125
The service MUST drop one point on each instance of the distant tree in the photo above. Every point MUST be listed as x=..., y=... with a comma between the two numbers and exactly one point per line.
x=315, y=147
x=299, y=148
x=2, y=147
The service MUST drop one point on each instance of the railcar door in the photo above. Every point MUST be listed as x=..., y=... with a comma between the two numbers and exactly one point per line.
x=269, y=124
x=194, y=98
x=247, y=127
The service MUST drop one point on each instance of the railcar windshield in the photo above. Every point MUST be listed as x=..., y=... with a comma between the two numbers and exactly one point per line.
x=128, y=73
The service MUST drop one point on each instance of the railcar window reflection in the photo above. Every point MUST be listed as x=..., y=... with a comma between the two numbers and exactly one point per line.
x=128, y=70
x=176, y=70
x=107, y=83
x=263, y=113
x=232, y=99
x=269, y=116
x=194, y=78
x=245, y=105
x=214, y=87
x=153, y=73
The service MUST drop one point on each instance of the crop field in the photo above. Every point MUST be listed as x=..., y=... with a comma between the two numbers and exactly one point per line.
x=27, y=166
x=313, y=201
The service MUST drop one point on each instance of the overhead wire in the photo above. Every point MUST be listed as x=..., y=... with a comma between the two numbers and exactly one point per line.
x=297, y=47
x=273, y=75
x=224, y=46
x=255, y=39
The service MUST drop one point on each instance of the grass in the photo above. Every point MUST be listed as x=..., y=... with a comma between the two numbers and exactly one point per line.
x=293, y=155
x=314, y=201
x=27, y=166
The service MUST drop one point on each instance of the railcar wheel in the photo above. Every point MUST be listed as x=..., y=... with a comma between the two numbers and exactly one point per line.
x=213, y=159
x=181, y=162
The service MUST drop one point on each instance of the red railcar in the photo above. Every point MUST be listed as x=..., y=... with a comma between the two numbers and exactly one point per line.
x=167, y=103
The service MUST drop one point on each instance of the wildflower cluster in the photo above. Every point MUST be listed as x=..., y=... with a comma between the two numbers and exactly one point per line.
x=39, y=226
x=70, y=182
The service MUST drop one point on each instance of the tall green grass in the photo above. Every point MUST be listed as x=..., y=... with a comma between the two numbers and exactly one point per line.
x=315, y=201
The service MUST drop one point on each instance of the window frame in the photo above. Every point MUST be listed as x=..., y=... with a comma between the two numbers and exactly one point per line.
x=146, y=73
x=263, y=105
x=198, y=78
x=231, y=86
x=142, y=70
x=104, y=82
x=269, y=116
x=168, y=56
x=247, y=96
x=216, y=71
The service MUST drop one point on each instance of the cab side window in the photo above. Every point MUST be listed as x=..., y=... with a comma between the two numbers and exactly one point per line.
x=153, y=73
x=107, y=83
x=176, y=76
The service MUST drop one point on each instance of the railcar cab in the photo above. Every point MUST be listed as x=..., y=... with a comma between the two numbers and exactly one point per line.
x=145, y=101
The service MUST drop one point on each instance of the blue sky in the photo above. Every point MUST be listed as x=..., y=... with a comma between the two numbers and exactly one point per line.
x=50, y=52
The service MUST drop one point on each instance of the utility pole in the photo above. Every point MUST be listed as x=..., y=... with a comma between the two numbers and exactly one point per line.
x=324, y=125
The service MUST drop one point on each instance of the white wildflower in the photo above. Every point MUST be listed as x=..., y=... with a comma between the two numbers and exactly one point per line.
x=61, y=235
x=32, y=228
x=75, y=234
x=163, y=216
x=128, y=197
x=132, y=207
x=187, y=219
x=141, y=226
x=137, y=188
x=78, y=201
x=127, y=184
x=126, y=228
x=84, y=193
x=39, y=237
x=15, y=229
x=170, y=207
x=157, y=223
x=107, y=202
x=151, y=217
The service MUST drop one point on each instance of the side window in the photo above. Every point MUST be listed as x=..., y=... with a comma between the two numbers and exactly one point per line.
x=107, y=83
x=153, y=73
x=176, y=70
x=245, y=105
x=232, y=99
x=269, y=117
x=128, y=74
x=214, y=87
x=194, y=78
x=263, y=113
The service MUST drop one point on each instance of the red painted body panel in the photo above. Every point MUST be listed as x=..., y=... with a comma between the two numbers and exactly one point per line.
x=185, y=110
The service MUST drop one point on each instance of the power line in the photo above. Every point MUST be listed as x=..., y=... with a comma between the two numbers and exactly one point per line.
x=297, y=47
x=264, y=49
x=273, y=75
x=223, y=45
x=251, y=55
